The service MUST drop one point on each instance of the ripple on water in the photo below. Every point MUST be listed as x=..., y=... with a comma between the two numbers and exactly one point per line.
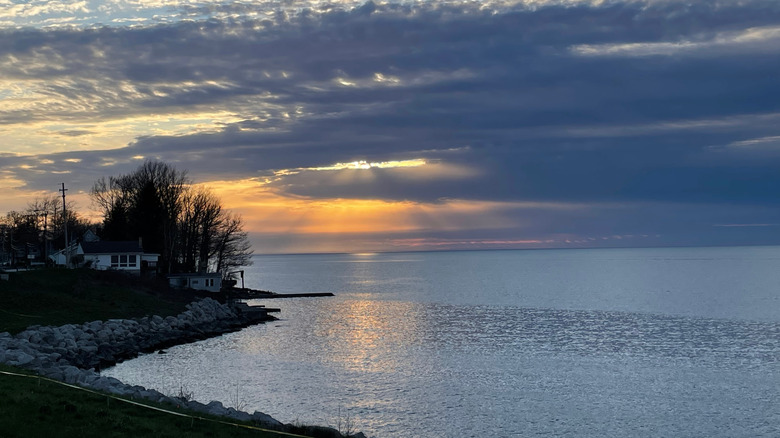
x=403, y=369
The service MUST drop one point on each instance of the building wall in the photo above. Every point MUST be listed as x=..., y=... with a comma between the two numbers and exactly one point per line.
x=208, y=283
x=121, y=262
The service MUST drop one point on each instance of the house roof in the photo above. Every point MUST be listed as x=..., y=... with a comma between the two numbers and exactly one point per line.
x=108, y=247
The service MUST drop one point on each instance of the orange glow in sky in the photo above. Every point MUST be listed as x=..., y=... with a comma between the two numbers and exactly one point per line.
x=271, y=212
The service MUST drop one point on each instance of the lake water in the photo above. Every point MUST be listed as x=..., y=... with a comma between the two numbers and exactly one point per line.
x=580, y=343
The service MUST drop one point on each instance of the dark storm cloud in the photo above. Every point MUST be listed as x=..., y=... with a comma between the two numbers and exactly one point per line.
x=533, y=99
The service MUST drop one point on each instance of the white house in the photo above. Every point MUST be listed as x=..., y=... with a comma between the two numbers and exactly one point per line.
x=120, y=255
x=211, y=282
x=127, y=256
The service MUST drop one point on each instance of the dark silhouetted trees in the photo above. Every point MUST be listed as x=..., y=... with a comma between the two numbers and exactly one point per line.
x=29, y=236
x=231, y=246
x=187, y=226
x=143, y=204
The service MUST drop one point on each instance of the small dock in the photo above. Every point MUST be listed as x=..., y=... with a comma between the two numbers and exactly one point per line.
x=302, y=295
x=252, y=294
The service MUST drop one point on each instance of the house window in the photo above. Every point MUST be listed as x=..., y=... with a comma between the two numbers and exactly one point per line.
x=114, y=261
x=131, y=261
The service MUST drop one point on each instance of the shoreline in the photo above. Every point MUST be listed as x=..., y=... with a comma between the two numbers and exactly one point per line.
x=74, y=354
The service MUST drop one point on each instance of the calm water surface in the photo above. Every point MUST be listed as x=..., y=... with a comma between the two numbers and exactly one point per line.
x=617, y=342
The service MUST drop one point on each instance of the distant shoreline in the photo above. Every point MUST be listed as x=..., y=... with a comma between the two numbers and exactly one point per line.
x=557, y=248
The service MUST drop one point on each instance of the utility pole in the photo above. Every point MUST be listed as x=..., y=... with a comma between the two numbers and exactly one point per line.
x=45, y=237
x=65, y=224
x=13, y=252
x=38, y=236
x=3, y=258
x=45, y=213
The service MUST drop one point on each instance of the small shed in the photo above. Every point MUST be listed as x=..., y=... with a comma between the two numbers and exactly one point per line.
x=211, y=282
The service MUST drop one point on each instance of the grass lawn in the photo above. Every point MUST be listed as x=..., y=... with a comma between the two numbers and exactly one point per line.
x=60, y=296
x=32, y=407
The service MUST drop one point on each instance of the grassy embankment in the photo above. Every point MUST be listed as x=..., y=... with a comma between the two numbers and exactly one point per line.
x=32, y=407
x=59, y=296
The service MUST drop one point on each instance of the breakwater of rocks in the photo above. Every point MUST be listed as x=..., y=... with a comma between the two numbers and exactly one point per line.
x=75, y=353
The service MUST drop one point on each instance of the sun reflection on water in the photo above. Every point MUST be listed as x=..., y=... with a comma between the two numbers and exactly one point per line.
x=369, y=335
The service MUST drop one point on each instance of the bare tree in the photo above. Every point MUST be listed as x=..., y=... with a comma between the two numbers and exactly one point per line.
x=106, y=195
x=46, y=210
x=187, y=226
x=200, y=220
x=21, y=232
x=232, y=248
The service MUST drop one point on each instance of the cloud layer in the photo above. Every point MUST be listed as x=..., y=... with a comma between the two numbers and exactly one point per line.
x=636, y=118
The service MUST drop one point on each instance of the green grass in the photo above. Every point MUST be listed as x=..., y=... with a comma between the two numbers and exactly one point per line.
x=33, y=407
x=60, y=296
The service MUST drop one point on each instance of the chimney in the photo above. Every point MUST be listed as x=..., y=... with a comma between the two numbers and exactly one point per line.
x=141, y=243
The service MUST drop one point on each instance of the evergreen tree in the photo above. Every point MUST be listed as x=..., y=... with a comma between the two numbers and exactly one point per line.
x=187, y=226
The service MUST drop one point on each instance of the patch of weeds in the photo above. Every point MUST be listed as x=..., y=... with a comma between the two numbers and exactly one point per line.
x=344, y=423
x=184, y=395
x=237, y=401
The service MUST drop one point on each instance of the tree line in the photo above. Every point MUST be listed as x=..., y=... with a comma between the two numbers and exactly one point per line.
x=30, y=235
x=183, y=223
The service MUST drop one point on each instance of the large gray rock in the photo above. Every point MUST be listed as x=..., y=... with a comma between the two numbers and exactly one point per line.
x=72, y=374
x=52, y=372
x=105, y=383
x=19, y=358
x=216, y=408
x=237, y=415
x=321, y=431
x=265, y=419
x=93, y=327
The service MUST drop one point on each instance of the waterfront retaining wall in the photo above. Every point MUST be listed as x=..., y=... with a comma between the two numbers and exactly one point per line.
x=75, y=353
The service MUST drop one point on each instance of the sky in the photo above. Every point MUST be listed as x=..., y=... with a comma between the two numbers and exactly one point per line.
x=414, y=125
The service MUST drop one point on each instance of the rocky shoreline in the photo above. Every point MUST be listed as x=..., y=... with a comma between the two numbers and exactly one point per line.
x=74, y=354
